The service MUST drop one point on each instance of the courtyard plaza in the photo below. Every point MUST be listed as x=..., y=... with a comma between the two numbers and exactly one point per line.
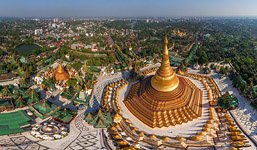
x=131, y=125
x=126, y=128
x=102, y=81
x=244, y=114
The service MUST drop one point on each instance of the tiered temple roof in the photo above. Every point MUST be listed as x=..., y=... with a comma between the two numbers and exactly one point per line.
x=165, y=99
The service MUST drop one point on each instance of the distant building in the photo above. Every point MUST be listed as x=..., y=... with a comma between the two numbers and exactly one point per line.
x=54, y=25
x=88, y=46
x=38, y=31
x=77, y=46
x=55, y=20
x=38, y=80
x=23, y=60
x=109, y=41
x=207, y=35
x=94, y=47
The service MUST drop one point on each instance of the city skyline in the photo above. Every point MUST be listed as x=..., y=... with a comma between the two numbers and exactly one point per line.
x=126, y=8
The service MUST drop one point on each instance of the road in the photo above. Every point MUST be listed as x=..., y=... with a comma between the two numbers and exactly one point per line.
x=12, y=81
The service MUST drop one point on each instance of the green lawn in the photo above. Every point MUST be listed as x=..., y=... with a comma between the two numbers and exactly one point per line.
x=11, y=123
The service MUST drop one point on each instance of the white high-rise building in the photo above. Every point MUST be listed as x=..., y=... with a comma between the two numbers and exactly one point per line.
x=38, y=31
x=56, y=20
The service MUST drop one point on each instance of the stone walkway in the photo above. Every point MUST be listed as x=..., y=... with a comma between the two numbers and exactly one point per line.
x=20, y=142
x=88, y=137
x=88, y=140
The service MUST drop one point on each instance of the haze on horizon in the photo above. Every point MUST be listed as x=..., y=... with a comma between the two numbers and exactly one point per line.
x=126, y=8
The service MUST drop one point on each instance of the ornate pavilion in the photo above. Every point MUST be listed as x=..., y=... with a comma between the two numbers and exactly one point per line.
x=164, y=99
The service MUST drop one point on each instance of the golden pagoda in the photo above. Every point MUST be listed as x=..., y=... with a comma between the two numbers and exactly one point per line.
x=117, y=118
x=61, y=74
x=164, y=99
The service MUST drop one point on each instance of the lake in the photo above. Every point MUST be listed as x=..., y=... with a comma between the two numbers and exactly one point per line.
x=27, y=49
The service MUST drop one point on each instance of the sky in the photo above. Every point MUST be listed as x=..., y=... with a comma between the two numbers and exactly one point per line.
x=127, y=8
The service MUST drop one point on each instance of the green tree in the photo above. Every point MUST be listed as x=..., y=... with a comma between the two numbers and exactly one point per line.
x=6, y=91
x=33, y=96
x=201, y=56
x=19, y=102
x=227, y=101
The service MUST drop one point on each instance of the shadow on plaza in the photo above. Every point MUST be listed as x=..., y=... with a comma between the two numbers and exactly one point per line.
x=246, y=114
x=125, y=74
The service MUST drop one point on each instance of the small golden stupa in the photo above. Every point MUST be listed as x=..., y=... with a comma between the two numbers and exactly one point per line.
x=61, y=74
x=117, y=118
x=164, y=99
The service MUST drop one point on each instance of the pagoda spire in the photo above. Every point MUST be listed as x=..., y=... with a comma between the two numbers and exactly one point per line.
x=60, y=68
x=165, y=79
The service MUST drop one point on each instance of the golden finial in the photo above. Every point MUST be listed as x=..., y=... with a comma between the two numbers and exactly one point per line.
x=165, y=51
x=166, y=40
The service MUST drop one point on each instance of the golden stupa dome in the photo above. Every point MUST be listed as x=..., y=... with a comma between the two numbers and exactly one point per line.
x=180, y=138
x=166, y=138
x=197, y=138
x=165, y=79
x=141, y=134
x=61, y=74
x=152, y=136
x=117, y=137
